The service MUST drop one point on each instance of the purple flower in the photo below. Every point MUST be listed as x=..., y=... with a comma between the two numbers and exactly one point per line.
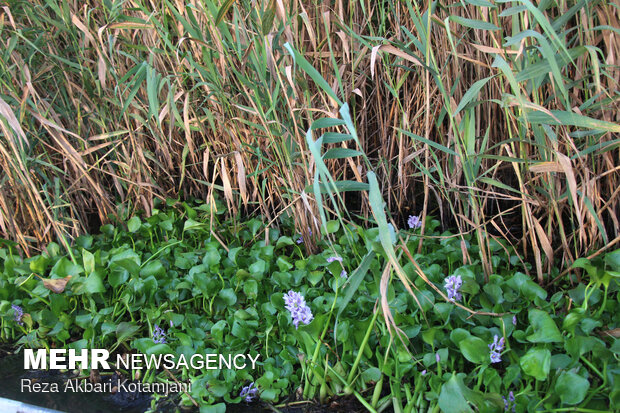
x=437, y=358
x=509, y=402
x=497, y=344
x=414, y=222
x=329, y=260
x=496, y=348
x=300, y=240
x=19, y=314
x=159, y=336
x=424, y=372
x=514, y=320
x=453, y=284
x=249, y=392
x=296, y=304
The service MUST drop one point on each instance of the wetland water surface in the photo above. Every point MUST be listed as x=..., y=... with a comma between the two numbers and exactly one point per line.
x=15, y=383
x=13, y=376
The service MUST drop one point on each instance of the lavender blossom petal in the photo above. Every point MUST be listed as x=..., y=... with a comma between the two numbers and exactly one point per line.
x=495, y=357
x=495, y=349
x=452, y=286
x=19, y=314
x=414, y=222
x=159, y=336
x=249, y=392
x=296, y=304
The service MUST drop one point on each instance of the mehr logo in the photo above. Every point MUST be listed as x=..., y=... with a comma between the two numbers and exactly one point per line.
x=60, y=359
x=98, y=359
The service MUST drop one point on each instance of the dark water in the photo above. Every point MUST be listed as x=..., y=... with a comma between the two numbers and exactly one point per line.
x=12, y=373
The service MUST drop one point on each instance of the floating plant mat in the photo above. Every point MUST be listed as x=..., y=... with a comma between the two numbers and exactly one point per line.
x=167, y=285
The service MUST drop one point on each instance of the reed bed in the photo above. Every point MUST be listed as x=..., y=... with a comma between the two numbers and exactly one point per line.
x=498, y=117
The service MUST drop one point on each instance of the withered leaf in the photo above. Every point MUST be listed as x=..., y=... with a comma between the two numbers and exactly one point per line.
x=56, y=285
x=610, y=333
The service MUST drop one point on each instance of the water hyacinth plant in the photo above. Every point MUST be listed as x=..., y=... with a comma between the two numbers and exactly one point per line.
x=414, y=222
x=338, y=342
x=159, y=335
x=343, y=272
x=299, y=310
x=249, y=393
x=300, y=239
x=19, y=314
x=495, y=349
x=452, y=286
x=510, y=402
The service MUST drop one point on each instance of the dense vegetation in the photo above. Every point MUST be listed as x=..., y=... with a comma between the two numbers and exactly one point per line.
x=332, y=145
x=495, y=116
x=168, y=276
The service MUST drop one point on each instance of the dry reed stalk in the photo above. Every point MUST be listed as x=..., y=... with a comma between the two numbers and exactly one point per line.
x=154, y=100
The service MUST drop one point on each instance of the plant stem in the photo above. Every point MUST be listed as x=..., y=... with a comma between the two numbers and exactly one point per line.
x=594, y=369
x=318, y=343
x=361, y=350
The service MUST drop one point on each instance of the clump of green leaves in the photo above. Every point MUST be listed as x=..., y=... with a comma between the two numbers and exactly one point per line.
x=224, y=294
